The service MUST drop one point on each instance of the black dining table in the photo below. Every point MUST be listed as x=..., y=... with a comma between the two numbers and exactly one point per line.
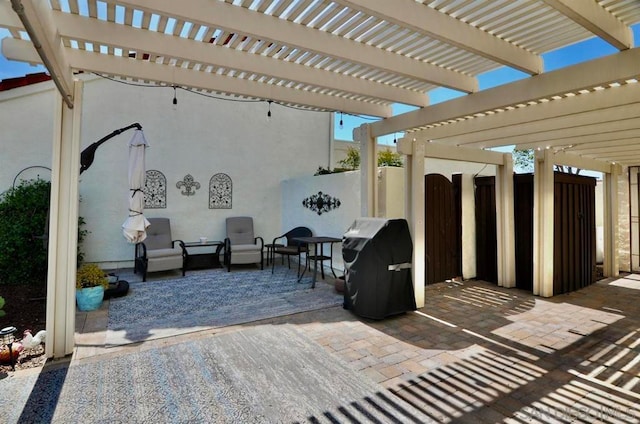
x=318, y=254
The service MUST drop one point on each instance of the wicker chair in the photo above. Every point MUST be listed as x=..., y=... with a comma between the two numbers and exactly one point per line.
x=292, y=246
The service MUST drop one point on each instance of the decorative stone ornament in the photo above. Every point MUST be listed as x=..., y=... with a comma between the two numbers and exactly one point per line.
x=190, y=186
x=155, y=190
x=321, y=203
x=220, y=192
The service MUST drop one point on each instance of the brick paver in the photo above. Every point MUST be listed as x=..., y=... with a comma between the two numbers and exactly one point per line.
x=480, y=353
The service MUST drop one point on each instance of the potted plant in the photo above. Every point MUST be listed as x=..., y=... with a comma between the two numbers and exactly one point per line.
x=91, y=281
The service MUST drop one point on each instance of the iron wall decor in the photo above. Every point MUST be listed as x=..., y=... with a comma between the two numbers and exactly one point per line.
x=190, y=186
x=155, y=190
x=321, y=203
x=220, y=191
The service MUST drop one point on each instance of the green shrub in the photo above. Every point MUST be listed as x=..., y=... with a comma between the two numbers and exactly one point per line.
x=388, y=158
x=352, y=160
x=23, y=215
x=91, y=275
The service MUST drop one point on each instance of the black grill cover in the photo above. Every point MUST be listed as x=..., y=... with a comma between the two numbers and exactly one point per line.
x=377, y=259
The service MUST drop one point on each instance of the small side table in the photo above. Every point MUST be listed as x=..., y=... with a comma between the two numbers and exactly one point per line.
x=271, y=251
x=318, y=255
x=204, y=259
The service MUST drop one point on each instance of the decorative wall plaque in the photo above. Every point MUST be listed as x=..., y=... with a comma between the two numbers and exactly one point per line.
x=155, y=190
x=220, y=191
x=190, y=186
x=321, y=203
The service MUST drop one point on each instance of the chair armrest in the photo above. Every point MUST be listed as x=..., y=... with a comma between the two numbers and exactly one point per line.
x=261, y=242
x=181, y=243
x=278, y=238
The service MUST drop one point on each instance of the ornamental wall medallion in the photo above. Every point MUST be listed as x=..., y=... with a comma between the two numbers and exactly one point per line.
x=220, y=191
x=321, y=203
x=190, y=186
x=155, y=190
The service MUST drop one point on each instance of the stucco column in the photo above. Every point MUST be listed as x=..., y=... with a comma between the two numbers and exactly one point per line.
x=543, y=186
x=63, y=226
x=610, y=266
x=414, y=191
x=468, y=227
x=368, y=170
x=506, y=237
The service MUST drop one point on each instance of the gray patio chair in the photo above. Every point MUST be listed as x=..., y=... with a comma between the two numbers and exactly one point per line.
x=292, y=246
x=241, y=246
x=159, y=252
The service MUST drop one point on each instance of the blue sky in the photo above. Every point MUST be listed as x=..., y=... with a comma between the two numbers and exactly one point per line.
x=580, y=52
x=577, y=53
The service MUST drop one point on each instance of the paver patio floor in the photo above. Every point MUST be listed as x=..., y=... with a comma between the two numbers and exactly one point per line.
x=475, y=353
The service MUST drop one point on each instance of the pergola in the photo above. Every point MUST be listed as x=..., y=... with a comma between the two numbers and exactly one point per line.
x=356, y=57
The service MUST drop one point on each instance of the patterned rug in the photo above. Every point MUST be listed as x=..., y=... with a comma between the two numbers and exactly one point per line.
x=209, y=299
x=263, y=374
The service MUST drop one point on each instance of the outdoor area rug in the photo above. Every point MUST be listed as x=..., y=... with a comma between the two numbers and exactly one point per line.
x=263, y=374
x=208, y=299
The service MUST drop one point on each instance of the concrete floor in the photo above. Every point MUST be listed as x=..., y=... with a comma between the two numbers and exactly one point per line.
x=476, y=352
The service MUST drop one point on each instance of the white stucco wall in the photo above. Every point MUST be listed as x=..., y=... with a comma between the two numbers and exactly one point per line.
x=26, y=125
x=391, y=196
x=343, y=186
x=201, y=137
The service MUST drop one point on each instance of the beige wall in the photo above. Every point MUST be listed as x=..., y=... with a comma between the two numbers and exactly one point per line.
x=200, y=137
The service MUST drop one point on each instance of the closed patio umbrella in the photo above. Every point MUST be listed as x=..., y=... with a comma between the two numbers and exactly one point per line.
x=134, y=228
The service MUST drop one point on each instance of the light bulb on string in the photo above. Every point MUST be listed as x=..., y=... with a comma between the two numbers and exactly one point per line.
x=341, y=123
x=269, y=111
x=175, y=99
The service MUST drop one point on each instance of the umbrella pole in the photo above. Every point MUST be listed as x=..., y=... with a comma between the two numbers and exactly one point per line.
x=88, y=154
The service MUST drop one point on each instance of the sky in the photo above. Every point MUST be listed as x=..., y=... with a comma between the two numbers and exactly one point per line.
x=576, y=53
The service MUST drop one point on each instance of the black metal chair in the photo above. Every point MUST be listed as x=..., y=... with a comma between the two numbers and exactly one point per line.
x=292, y=247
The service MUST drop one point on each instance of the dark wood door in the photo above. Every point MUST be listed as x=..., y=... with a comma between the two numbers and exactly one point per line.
x=523, y=227
x=574, y=249
x=456, y=179
x=440, y=229
x=486, y=232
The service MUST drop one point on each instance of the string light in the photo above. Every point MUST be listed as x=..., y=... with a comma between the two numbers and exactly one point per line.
x=226, y=99
x=395, y=138
x=341, y=123
x=269, y=111
x=175, y=99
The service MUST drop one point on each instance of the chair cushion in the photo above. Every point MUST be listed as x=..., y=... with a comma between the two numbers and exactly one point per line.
x=289, y=250
x=237, y=248
x=163, y=253
x=240, y=230
x=158, y=234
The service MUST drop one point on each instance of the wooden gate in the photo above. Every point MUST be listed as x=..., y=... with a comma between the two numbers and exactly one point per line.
x=574, y=244
x=486, y=232
x=440, y=229
x=523, y=227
